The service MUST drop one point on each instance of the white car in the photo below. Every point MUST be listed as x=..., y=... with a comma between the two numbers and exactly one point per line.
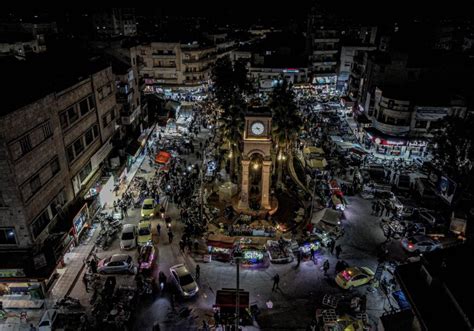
x=185, y=283
x=420, y=244
x=117, y=263
x=128, y=238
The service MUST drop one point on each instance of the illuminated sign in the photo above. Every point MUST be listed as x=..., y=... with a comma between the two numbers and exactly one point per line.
x=291, y=70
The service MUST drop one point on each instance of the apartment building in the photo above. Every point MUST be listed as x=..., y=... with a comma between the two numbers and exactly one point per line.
x=350, y=64
x=115, y=22
x=175, y=64
x=52, y=143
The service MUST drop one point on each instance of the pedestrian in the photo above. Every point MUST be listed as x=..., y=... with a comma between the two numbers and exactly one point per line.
x=332, y=243
x=217, y=318
x=338, y=251
x=298, y=256
x=326, y=267
x=170, y=236
x=388, y=211
x=158, y=229
x=205, y=326
x=181, y=245
x=312, y=253
x=276, y=280
x=93, y=266
x=198, y=271
x=382, y=208
x=125, y=208
x=32, y=327
x=85, y=280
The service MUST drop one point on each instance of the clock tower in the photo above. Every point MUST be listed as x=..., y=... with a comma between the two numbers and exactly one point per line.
x=256, y=159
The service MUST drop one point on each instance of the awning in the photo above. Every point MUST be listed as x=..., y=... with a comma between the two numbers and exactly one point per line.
x=162, y=157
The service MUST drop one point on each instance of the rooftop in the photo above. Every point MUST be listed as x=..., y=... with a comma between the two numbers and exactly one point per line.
x=439, y=275
x=26, y=81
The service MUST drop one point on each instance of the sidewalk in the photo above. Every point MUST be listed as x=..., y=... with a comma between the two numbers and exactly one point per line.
x=75, y=266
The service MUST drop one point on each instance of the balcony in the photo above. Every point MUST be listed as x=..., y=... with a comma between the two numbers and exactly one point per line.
x=128, y=117
x=324, y=63
x=326, y=40
x=390, y=129
x=163, y=56
x=202, y=59
x=328, y=50
x=200, y=70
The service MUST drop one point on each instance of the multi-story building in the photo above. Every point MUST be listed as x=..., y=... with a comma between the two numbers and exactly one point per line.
x=175, y=64
x=323, y=45
x=21, y=44
x=115, y=22
x=53, y=143
x=350, y=64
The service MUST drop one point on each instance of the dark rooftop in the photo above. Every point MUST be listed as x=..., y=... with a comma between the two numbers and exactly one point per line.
x=26, y=81
x=439, y=289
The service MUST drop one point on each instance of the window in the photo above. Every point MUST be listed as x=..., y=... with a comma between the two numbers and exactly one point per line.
x=84, y=108
x=63, y=120
x=90, y=98
x=89, y=137
x=7, y=236
x=112, y=114
x=70, y=153
x=95, y=128
x=25, y=144
x=55, y=166
x=104, y=120
x=40, y=223
x=72, y=115
x=421, y=124
x=78, y=146
x=47, y=132
x=85, y=172
x=35, y=184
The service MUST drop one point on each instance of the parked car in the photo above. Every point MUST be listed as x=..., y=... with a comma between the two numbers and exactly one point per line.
x=149, y=207
x=353, y=277
x=128, y=238
x=117, y=263
x=144, y=233
x=185, y=283
x=420, y=244
x=47, y=320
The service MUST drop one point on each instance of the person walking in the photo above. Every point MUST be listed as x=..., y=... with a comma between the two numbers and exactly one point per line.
x=85, y=280
x=332, y=243
x=326, y=267
x=298, y=256
x=276, y=281
x=198, y=271
x=125, y=208
x=312, y=253
x=158, y=229
x=170, y=236
x=338, y=251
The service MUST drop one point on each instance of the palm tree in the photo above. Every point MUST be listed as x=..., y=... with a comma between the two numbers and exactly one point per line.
x=286, y=122
x=232, y=128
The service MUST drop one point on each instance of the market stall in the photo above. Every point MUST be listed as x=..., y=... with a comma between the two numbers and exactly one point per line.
x=253, y=252
x=163, y=157
x=279, y=251
x=220, y=247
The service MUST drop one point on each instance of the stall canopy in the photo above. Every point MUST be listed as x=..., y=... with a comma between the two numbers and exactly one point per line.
x=217, y=240
x=163, y=157
x=327, y=215
x=226, y=298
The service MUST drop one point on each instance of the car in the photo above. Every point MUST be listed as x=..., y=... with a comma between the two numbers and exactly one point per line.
x=354, y=276
x=47, y=320
x=420, y=244
x=185, y=283
x=144, y=233
x=149, y=207
x=128, y=238
x=117, y=263
x=146, y=257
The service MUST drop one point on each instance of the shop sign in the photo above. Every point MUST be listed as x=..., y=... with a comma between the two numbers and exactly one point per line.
x=11, y=273
x=80, y=219
x=101, y=154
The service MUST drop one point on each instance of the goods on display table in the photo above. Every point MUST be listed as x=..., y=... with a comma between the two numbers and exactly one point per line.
x=306, y=246
x=279, y=251
x=220, y=247
x=253, y=251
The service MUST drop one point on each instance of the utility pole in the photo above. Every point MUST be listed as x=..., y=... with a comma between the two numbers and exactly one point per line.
x=237, y=257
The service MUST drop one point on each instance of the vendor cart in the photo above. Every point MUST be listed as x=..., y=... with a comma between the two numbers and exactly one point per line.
x=279, y=251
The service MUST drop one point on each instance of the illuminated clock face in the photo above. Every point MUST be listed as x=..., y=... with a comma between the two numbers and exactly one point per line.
x=257, y=128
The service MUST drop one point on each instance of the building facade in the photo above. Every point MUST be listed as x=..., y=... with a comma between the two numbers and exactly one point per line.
x=115, y=22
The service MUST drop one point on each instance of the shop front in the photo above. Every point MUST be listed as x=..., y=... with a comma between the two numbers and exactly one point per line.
x=80, y=221
x=387, y=145
x=253, y=252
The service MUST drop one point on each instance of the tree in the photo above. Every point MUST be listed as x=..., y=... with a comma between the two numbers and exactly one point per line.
x=453, y=149
x=232, y=128
x=286, y=121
